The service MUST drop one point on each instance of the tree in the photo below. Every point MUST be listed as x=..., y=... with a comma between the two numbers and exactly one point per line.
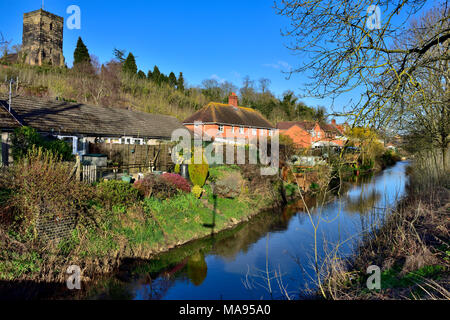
x=180, y=83
x=129, y=66
x=426, y=114
x=173, y=80
x=347, y=50
x=264, y=84
x=119, y=54
x=156, y=75
x=141, y=75
x=149, y=75
x=81, y=53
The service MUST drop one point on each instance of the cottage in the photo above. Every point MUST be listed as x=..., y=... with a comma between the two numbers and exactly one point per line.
x=225, y=123
x=313, y=134
x=81, y=124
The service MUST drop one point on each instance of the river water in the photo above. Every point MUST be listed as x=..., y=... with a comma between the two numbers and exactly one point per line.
x=270, y=257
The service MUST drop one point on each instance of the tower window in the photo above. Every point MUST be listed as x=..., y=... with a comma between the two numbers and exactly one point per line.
x=51, y=26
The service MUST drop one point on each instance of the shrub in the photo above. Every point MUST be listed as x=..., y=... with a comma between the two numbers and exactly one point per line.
x=178, y=181
x=229, y=186
x=197, y=191
x=114, y=192
x=41, y=188
x=198, y=172
x=25, y=138
x=156, y=186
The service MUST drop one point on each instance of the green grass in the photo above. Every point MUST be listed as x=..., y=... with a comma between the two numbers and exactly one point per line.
x=14, y=265
x=215, y=173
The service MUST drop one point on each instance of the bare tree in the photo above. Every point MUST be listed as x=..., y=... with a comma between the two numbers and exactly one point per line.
x=347, y=50
x=264, y=84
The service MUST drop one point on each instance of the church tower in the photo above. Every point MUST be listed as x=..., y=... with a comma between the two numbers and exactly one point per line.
x=42, y=39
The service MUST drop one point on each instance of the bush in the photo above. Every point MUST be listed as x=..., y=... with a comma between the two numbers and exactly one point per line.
x=114, y=192
x=156, y=186
x=25, y=138
x=198, y=172
x=229, y=186
x=40, y=187
x=197, y=191
x=178, y=181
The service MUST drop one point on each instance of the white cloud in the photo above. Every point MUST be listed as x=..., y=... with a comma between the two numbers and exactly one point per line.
x=216, y=77
x=283, y=65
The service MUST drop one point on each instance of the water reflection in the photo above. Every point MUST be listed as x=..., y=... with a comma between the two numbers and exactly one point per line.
x=273, y=244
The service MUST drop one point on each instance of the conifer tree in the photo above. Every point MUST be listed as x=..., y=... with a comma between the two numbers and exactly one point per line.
x=156, y=76
x=129, y=66
x=141, y=75
x=180, y=82
x=172, y=80
x=81, y=53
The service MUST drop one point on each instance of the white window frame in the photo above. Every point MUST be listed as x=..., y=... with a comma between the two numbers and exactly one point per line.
x=254, y=131
x=233, y=129
x=241, y=130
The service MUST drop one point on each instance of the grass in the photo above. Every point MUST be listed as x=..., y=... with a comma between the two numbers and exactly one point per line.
x=411, y=248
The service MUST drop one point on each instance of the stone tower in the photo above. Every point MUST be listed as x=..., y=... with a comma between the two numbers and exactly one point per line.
x=42, y=40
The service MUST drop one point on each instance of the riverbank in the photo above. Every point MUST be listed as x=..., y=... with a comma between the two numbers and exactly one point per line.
x=111, y=231
x=412, y=249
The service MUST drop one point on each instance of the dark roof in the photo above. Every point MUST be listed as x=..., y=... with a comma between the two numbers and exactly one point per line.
x=305, y=125
x=76, y=118
x=330, y=128
x=7, y=121
x=229, y=115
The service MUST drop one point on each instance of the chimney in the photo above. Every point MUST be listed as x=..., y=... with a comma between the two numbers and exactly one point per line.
x=233, y=99
x=333, y=122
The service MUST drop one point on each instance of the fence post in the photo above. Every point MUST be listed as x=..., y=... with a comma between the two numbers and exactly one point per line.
x=78, y=164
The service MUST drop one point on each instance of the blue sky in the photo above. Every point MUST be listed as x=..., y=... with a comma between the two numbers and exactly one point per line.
x=225, y=40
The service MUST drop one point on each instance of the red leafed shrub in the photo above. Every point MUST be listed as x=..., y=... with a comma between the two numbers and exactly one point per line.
x=177, y=180
x=156, y=186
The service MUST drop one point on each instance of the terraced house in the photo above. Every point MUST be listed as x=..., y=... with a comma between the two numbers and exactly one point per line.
x=226, y=123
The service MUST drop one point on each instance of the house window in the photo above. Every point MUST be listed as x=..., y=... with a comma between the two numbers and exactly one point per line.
x=232, y=129
x=220, y=128
x=270, y=132
x=241, y=129
x=261, y=132
x=254, y=131
x=318, y=134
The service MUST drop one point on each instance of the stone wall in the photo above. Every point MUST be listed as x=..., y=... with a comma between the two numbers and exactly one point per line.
x=42, y=39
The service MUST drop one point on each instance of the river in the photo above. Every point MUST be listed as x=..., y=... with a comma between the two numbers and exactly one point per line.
x=269, y=257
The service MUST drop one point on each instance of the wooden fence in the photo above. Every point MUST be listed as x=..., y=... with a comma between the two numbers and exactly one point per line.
x=136, y=157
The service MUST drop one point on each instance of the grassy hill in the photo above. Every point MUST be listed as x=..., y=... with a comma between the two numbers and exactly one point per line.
x=108, y=85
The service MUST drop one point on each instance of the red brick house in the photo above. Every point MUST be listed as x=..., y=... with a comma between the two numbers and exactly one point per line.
x=307, y=134
x=226, y=122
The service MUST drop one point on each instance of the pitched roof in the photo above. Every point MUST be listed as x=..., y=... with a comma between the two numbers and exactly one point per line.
x=330, y=128
x=7, y=121
x=75, y=118
x=305, y=124
x=227, y=114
